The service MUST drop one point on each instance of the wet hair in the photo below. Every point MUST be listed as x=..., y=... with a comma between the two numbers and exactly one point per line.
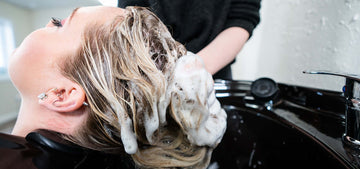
x=125, y=67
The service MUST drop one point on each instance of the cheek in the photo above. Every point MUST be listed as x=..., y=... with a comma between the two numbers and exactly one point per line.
x=36, y=60
x=27, y=62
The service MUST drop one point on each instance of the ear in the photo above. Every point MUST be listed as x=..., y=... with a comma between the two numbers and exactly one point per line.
x=68, y=98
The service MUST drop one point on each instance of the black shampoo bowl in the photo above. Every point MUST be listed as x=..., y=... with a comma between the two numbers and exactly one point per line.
x=298, y=128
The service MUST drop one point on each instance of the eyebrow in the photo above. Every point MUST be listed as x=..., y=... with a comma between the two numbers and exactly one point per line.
x=73, y=13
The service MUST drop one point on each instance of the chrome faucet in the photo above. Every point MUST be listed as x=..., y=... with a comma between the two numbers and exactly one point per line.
x=352, y=113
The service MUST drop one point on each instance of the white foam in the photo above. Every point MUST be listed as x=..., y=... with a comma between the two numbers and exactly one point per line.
x=151, y=123
x=195, y=107
x=194, y=102
x=128, y=138
x=214, y=165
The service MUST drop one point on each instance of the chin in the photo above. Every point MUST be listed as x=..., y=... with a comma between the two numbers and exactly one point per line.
x=12, y=67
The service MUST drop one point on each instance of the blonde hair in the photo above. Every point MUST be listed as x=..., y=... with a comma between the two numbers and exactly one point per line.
x=124, y=68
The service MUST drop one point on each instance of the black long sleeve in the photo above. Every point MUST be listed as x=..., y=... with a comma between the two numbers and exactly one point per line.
x=244, y=13
x=195, y=23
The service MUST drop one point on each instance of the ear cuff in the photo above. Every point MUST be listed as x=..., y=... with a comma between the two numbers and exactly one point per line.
x=42, y=96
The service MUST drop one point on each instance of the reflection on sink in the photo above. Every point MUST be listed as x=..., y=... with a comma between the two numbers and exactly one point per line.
x=302, y=130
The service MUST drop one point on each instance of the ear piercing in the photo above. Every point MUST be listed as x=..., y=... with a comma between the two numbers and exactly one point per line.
x=42, y=96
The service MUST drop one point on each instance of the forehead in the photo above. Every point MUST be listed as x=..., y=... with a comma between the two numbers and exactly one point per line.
x=98, y=14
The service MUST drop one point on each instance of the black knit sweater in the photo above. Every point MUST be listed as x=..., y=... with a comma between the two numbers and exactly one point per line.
x=195, y=23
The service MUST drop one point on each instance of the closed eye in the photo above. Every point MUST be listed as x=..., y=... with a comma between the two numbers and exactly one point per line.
x=56, y=22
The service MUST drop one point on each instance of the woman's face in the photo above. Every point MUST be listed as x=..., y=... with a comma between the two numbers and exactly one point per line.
x=34, y=64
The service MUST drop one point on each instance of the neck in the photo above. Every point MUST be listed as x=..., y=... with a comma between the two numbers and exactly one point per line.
x=33, y=116
x=28, y=118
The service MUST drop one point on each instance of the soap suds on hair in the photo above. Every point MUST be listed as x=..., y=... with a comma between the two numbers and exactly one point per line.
x=128, y=137
x=193, y=100
x=191, y=95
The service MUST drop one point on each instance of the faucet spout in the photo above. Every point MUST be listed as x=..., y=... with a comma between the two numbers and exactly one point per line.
x=352, y=113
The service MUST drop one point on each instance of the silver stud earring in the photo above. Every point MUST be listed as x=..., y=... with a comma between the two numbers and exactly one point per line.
x=85, y=104
x=42, y=96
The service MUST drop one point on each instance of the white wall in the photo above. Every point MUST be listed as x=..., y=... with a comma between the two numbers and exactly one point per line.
x=20, y=19
x=297, y=35
x=42, y=16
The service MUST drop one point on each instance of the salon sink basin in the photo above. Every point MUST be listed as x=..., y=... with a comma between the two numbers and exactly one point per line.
x=302, y=128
